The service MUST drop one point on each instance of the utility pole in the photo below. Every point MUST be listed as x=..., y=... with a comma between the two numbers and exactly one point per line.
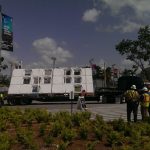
x=54, y=60
x=104, y=74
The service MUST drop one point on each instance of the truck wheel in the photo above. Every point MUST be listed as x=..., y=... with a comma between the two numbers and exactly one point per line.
x=10, y=101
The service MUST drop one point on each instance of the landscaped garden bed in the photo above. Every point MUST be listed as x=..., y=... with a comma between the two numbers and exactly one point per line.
x=38, y=129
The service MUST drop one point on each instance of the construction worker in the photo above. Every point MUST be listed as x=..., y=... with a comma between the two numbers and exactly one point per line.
x=132, y=99
x=144, y=101
x=149, y=102
x=1, y=99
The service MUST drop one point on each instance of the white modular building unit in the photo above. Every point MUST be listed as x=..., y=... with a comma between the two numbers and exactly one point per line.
x=57, y=81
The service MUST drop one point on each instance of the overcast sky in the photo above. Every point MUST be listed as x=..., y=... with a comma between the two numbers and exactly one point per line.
x=73, y=31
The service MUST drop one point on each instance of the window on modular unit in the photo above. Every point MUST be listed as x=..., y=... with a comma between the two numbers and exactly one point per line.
x=77, y=88
x=28, y=72
x=77, y=80
x=67, y=80
x=48, y=72
x=68, y=72
x=35, y=80
x=26, y=80
x=47, y=80
x=77, y=71
x=35, y=88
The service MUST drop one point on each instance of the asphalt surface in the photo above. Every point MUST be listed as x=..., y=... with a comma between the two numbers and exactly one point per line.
x=108, y=111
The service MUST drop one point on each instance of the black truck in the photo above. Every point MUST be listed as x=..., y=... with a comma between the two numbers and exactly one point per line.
x=115, y=94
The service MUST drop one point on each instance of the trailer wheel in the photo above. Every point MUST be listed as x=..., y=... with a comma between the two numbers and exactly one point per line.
x=11, y=102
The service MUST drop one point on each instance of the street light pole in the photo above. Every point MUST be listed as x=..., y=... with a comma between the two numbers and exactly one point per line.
x=54, y=60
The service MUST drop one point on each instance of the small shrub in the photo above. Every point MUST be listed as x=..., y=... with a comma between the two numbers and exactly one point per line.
x=118, y=124
x=57, y=128
x=99, y=120
x=41, y=115
x=83, y=131
x=91, y=146
x=63, y=146
x=61, y=116
x=76, y=119
x=25, y=137
x=67, y=134
x=114, y=138
x=98, y=133
x=48, y=140
x=42, y=129
x=5, y=141
x=3, y=125
x=86, y=115
x=28, y=116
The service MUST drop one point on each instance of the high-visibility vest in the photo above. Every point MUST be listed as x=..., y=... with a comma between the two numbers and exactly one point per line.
x=131, y=95
x=1, y=96
x=146, y=100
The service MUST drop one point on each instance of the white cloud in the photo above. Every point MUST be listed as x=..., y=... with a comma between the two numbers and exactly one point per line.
x=127, y=26
x=140, y=7
x=91, y=15
x=48, y=47
x=130, y=14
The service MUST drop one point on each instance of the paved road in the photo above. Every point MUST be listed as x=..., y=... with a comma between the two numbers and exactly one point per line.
x=112, y=111
x=108, y=111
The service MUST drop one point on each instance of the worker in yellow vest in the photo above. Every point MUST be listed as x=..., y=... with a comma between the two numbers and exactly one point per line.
x=132, y=100
x=1, y=99
x=144, y=101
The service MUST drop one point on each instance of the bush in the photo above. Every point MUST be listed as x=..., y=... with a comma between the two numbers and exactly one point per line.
x=67, y=135
x=25, y=137
x=114, y=138
x=91, y=146
x=41, y=115
x=83, y=131
x=118, y=125
x=98, y=133
x=42, y=129
x=57, y=128
x=48, y=140
x=5, y=141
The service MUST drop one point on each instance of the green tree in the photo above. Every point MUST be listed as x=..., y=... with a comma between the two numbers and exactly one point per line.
x=108, y=76
x=99, y=72
x=137, y=51
x=129, y=72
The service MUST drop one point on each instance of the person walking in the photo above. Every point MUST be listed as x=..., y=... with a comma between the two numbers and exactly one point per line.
x=144, y=101
x=81, y=104
x=132, y=100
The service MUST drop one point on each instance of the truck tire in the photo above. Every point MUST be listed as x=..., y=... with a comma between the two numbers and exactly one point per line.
x=11, y=102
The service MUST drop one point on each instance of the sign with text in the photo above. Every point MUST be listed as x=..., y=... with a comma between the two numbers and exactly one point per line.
x=7, y=33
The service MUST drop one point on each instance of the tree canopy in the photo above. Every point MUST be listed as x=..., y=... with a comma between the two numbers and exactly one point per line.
x=137, y=51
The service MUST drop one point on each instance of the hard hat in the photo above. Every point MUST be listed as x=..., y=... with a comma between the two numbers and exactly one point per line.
x=133, y=87
x=145, y=89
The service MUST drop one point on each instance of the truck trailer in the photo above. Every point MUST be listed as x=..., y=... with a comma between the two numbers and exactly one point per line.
x=56, y=84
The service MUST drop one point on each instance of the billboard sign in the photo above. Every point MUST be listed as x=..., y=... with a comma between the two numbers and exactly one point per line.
x=7, y=33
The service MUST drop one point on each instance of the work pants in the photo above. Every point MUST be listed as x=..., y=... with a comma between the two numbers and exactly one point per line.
x=132, y=106
x=144, y=112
